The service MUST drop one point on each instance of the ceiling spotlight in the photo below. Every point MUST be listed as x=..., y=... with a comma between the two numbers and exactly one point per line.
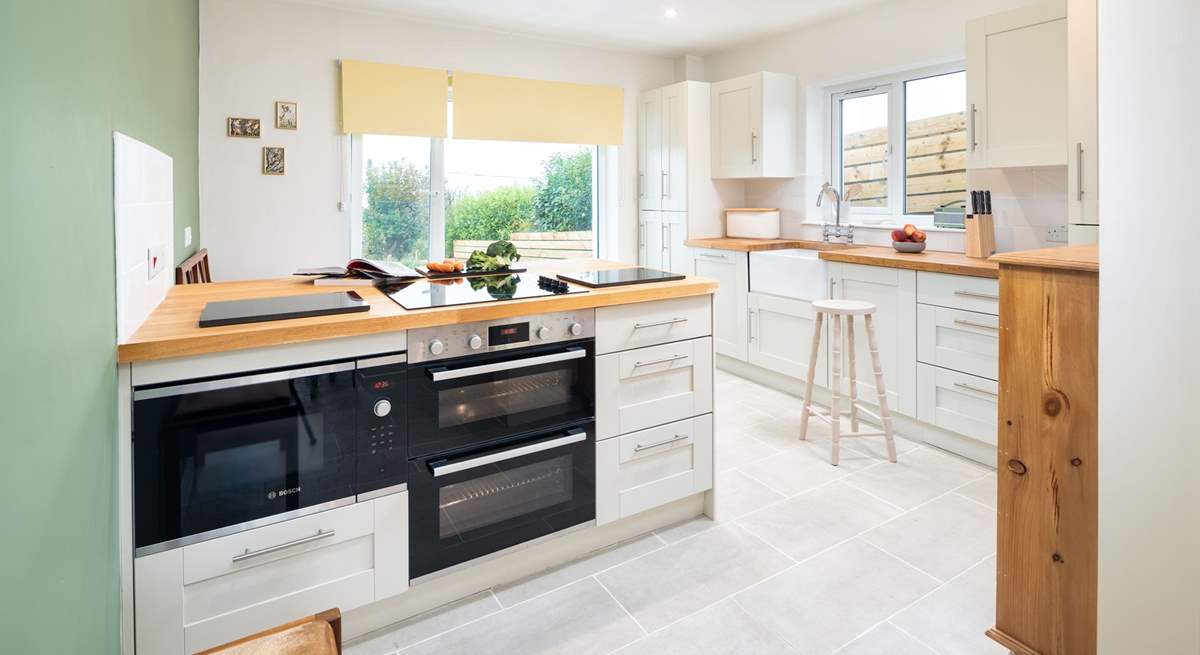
x=670, y=13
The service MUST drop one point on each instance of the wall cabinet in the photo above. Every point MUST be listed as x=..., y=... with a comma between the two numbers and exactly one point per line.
x=1083, y=178
x=730, y=269
x=754, y=126
x=1017, y=88
x=781, y=330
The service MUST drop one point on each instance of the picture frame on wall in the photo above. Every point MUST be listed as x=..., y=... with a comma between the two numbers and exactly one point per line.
x=286, y=117
x=272, y=160
x=245, y=128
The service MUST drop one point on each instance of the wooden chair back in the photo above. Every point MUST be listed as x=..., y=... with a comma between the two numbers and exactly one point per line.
x=320, y=634
x=194, y=269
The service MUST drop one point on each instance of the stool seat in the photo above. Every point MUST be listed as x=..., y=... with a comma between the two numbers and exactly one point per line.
x=844, y=307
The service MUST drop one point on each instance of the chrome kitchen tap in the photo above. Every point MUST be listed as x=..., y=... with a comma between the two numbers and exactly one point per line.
x=835, y=231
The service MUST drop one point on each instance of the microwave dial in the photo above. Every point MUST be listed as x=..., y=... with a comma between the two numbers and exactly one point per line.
x=474, y=342
x=383, y=407
x=436, y=347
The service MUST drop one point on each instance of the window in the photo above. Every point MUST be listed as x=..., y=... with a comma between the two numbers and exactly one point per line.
x=427, y=199
x=899, y=144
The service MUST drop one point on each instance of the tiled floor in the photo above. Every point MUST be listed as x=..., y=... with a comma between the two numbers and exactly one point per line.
x=865, y=558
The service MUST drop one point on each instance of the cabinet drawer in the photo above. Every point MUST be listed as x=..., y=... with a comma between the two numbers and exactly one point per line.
x=649, y=323
x=646, y=469
x=976, y=294
x=960, y=340
x=638, y=389
x=966, y=404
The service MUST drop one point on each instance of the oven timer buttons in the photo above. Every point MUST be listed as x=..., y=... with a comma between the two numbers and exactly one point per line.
x=383, y=407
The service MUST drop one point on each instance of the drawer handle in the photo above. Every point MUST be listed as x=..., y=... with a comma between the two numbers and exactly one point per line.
x=710, y=255
x=642, y=326
x=971, y=387
x=976, y=294
x=640, y=447
x=664, y=360
x=982, y=326
x=248, y=554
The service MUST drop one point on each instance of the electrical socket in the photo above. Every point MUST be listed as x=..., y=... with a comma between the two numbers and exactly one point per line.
x=187, y=236
x=1056, y=233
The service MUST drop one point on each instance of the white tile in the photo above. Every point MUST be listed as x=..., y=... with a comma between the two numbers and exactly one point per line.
x=685, y=529
x=806, y=524
x=943, y=537
x=919, y=476
x=885, y=639
x=805, y=466
x=737, y=494
x=736, y=418
x=827, y=601
x=686, y=576
x=536, y=585
x=579, y=619
x=953, y=619
x=424, y=626
x=723, y=629
x=734, y=449
x=982, y=490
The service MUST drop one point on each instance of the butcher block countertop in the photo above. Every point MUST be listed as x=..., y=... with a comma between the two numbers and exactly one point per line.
x=758, y=245
x=172, y=329
x=936, y=261
x=1071, y=258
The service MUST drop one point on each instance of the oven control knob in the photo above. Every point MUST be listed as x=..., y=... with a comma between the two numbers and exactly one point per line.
x=436, y=347
x=475, y=342
x=383, y=407
x=543, y=333
x=576, y=329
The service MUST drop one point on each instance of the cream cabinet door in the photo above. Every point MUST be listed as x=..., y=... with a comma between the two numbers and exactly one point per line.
x=673, y=176
x=677, y=257
x=650, y=239
x=1083, y=177
x=730, y=270
x=650, y=139
x=958, y=402
x=781, y=332
x=653, y=467
x=638, y=389
x=737, y=126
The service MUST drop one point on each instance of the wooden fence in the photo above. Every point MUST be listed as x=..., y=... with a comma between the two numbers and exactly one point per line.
x=936, y=153
x=538, y=246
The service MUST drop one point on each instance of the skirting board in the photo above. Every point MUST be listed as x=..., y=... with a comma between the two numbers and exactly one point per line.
x=905, y=426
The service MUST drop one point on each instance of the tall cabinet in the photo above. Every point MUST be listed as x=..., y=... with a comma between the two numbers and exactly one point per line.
x=1083, y=178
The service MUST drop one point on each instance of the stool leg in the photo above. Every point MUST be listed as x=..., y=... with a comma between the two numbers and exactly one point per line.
x=812, y=369
x=885, y=416
x=835, y=404
x=853, y=374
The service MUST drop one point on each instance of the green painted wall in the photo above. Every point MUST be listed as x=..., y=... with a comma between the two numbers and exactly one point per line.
x=72, y=72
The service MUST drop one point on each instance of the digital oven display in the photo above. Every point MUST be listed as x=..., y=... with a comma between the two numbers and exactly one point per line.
x=501, y=335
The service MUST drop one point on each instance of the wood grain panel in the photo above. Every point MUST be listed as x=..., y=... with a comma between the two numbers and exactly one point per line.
x=931, y=260
x=757, y=245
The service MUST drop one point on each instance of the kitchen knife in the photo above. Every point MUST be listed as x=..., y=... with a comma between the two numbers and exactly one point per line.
x=987, y=202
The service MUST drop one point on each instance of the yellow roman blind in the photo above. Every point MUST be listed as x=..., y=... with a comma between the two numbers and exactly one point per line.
x=389, y=99
x=517, y=109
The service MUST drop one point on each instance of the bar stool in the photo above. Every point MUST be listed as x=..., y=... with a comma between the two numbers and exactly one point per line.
x=835, y=310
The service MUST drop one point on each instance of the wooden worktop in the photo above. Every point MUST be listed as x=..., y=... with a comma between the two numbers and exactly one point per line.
x=1070, y=258
x=936, y=261
x=757, y=245
x=172, y=329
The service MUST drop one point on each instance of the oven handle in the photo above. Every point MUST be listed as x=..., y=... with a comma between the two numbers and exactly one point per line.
x=439, y=375
x=229, y=383
x=446, y=468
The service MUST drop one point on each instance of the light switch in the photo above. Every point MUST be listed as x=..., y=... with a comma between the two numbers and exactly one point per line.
x=155, y=260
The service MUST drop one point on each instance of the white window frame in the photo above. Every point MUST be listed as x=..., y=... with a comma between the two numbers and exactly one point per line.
x=894, y=85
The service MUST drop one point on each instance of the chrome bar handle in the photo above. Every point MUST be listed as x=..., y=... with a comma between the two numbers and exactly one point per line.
x=672, y=321
x=971, y=387
x=246, y=380
x=709, y=255
x=641, y=185
x=249, y=554
x=475, y=462
x=973, y=324
x=1079, y=171
x=975, y=294
x=752, y=314
x=640, y=447
x=665, y=179
x=753, y=148
x=574, y=352
x=971, y=136
x=664, y=360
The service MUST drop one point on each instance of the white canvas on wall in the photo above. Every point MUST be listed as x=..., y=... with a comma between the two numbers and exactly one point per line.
x=143, y=215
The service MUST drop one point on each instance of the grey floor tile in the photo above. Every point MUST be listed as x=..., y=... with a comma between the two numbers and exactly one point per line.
x=579, y=619
x=943, y=537
x=736, y=449
x=735, y=417
x=671, y=583
x=885, y=639
x=685, y=529
x=829, y=600
x=952, y=620
x=737, y=495
x=804, y=525
x=877, y=447
x=540, y=583
x=424, y=626
x=723, y=629
x=919, y=476
x=982, y=490
x=805, y=466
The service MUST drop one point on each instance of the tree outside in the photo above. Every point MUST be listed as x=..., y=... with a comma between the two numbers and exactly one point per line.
x=396, y=215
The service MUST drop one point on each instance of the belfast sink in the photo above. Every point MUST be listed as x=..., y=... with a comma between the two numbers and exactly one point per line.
x=794, y=273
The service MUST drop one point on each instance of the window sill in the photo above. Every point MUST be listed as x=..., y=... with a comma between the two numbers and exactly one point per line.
x=892, y=226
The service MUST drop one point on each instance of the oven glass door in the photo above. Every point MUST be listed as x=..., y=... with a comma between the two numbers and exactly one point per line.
x=479, y=502
x=467, y=401
x=212, y=455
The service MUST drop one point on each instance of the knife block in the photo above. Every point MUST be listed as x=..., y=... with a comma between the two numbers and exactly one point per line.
x=981, y=236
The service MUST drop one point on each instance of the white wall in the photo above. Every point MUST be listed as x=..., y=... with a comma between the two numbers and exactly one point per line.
x=1149, y=321
x=882, y=39
x=254, y=52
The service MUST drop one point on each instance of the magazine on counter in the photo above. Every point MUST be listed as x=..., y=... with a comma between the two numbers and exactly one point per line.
x=359, y=273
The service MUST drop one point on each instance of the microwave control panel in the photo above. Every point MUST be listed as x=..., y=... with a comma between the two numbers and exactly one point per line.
x=382, y=423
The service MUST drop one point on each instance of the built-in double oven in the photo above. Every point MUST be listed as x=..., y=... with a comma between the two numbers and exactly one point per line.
x=502, y=443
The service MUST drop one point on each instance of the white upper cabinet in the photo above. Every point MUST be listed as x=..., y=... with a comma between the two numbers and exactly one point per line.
x=674, y=148
x=754, y=126
x=1017, y=88
x=650, y=136
x=1083, y=160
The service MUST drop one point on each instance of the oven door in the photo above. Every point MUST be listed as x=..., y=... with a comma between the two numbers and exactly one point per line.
x=478, y=502
x=468, y=401
x=216, y=456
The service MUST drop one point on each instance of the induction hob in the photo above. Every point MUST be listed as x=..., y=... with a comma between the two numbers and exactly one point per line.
x=619, y=276
x=428, y=294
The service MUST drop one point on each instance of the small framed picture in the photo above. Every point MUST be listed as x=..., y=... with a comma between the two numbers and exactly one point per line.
x=272, y=163
x=247, y=128
x=285, y=115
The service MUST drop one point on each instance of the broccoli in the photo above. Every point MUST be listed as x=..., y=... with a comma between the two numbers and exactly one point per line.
x=499, y=256
x=503, y=249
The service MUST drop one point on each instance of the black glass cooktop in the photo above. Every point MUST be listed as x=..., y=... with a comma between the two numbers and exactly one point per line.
x=254, y=310
x=618, y=276
x=426, y=294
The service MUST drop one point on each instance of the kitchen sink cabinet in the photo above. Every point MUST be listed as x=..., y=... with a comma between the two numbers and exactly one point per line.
x=730, y=311
x=754, y=126
x=780, y=330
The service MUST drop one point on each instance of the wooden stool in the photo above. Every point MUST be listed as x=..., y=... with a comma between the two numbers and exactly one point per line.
x=320, y=634
x=836, y=309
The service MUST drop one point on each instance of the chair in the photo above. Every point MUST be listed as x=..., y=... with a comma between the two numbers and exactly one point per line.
x=835, y=310
x=194, y=269
x=320, y=634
